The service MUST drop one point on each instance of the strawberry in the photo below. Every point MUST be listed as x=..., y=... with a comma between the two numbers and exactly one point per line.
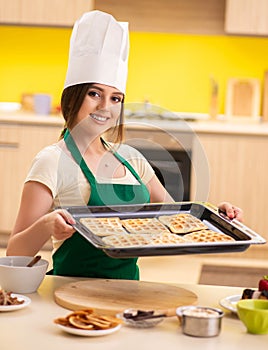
x=263, y=283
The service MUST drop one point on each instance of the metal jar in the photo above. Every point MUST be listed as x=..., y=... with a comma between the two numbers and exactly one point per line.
x=200, y=321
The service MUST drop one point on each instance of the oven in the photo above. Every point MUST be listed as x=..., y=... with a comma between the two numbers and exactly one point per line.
x=169, y=153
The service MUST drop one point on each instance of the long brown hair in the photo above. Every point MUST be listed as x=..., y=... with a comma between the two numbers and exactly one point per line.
x=71, y=100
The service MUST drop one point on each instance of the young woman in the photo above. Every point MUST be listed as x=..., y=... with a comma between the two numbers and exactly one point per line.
x=89, y=166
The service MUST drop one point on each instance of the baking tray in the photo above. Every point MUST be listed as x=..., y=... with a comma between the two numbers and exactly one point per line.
x=209, y=214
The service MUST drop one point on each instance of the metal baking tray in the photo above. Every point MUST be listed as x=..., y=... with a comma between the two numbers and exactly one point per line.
x=209, y=214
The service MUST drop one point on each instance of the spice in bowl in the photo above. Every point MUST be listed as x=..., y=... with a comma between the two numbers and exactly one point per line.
x=200, y=321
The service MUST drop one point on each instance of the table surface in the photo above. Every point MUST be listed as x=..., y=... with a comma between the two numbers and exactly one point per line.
x=32, y=327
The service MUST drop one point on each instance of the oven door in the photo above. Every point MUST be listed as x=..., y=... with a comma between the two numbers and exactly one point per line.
x=174, y=173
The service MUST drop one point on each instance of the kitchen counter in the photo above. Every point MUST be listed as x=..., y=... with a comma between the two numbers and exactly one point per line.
x=33, y=327
x=27, y=118
x=219, y=126
x=199, y=127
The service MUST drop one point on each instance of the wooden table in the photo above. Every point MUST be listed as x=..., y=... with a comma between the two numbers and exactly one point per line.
x=32, y=328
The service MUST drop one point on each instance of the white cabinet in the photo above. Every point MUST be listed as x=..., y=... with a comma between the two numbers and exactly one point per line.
x=43, y=12
x=18, y=146
x=246, y=17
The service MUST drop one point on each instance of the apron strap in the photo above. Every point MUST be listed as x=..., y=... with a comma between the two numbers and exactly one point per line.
x=71, y=145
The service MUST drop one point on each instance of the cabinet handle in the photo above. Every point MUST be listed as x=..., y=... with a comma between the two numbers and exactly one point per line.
x=9, y=145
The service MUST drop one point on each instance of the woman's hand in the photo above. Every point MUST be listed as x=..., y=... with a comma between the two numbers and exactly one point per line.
x=58, y=223
x=231, y=211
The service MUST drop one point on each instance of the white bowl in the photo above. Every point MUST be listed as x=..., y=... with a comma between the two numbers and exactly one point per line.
x=10, y=106
x=17, y=278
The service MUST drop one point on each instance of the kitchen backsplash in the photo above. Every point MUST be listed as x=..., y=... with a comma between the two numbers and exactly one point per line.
x=170, y=70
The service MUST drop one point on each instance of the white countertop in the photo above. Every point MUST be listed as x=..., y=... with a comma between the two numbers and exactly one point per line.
x=30, y=118
x=33, y=327
x=257, y=128
x=219, y=126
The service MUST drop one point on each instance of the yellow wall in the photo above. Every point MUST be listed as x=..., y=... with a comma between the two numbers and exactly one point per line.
x=32, y=60
x=171, y=70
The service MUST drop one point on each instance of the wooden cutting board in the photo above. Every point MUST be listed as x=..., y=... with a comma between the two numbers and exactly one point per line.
x=243, y=98
x=114, y=296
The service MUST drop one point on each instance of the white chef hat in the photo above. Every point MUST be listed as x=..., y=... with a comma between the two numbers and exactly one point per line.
x=99, y=49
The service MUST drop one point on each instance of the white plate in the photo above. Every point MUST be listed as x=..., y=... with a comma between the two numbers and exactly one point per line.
x=89, y=333
x=20, y=297
x=230, y=302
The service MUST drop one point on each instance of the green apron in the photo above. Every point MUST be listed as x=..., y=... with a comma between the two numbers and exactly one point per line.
x=76, y=256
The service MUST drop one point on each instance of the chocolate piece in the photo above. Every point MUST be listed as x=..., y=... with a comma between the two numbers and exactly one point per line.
x=248, y=293
x=254, y=294
x=139, y=315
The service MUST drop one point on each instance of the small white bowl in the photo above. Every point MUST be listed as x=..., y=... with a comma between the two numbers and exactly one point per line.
x=10, y=106
x=16, y=277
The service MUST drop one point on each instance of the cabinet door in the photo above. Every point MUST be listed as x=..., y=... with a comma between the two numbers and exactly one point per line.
x=168, y=16
x=238, y=167
x=10, y=11
x=18, y=146
x=9, y=186
x=33, y=139
x=246, y=17
x=43, y=12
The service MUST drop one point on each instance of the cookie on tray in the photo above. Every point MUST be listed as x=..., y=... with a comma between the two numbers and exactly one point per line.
x=103, y=226
x=139, y=239
x=168, y=238
x=182, y=223
x=144, y=225
x=128, y=240
x=207, y=236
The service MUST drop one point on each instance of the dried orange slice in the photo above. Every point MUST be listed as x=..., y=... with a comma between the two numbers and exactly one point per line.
x=79, y=323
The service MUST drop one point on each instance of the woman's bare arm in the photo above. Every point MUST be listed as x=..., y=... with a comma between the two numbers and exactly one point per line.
x=35, y=223
x=158, y=193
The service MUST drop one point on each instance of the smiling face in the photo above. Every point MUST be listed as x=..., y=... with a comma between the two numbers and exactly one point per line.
x=95, y=108
x=101, y=107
